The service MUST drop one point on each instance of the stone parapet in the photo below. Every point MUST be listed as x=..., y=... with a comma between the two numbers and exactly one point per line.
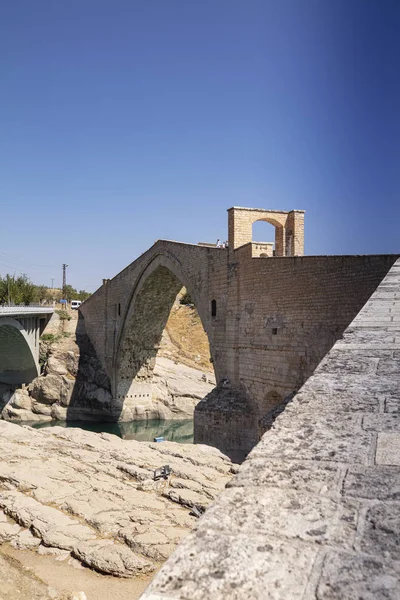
x=314, y=512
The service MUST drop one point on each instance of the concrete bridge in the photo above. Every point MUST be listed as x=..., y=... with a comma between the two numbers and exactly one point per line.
x=20, y=330
x=269, y=319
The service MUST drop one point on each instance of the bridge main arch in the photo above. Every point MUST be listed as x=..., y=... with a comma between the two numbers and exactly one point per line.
x=144, y=321
x=17, y=355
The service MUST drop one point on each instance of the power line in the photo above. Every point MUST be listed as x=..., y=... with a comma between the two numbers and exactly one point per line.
x=15, y=270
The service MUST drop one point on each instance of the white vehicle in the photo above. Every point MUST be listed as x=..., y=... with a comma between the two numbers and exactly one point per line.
x=75, y=304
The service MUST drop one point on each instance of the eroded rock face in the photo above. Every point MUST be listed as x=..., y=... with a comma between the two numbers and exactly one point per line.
x=93, y=495
x=176, y=391
x=74, y=386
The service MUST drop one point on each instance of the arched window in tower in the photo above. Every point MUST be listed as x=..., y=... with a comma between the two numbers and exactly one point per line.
x=263, y=239
x=213, y=308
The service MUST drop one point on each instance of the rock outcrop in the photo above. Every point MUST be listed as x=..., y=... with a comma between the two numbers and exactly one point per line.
x=176, y=391
x=74, y=386
x=73, y=493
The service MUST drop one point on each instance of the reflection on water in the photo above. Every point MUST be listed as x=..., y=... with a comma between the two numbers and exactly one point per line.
x=144, y=431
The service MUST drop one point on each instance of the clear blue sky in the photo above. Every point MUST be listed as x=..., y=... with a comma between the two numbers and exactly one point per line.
x=125, y=121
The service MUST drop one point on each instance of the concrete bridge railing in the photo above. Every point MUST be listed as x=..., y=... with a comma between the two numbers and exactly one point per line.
x=314, y=512
x=21, y=310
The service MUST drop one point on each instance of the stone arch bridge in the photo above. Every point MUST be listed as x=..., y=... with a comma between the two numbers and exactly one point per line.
x=20, y=330
x=269, y=321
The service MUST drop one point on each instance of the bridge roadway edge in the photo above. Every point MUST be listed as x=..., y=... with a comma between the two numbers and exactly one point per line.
x=314, y=511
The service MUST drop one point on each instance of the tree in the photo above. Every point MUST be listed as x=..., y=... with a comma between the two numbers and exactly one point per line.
x=20, y=290
x=82, y=295
x=186, y=299
x=16, y=290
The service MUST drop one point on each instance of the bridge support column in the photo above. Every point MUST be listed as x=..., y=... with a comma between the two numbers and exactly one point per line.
x=226, y=419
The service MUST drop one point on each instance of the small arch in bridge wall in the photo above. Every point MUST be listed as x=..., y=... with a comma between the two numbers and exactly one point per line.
x=17, y=359
x=143, y=325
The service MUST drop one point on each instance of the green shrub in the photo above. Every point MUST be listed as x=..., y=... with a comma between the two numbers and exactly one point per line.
x=49, y=337
x=186, y=299
x=64, y=316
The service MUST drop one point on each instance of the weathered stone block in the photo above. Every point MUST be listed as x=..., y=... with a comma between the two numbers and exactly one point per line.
x=367, y=578
x=381, y=422
x=373, y=483
x=388, y=366
x=284, y=513
x=316, y=437
x=388, y=449
x=382, y=531
x=392, y=404
x=222, y=566
x=316, y=478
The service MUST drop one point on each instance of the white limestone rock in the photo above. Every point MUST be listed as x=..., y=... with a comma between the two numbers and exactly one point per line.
x=46, y=389
x=8, y=531
x=47, y=523
x=25, y=540
x=10, y=413
x=21, y=400
x=65, y=490
x=41, y=409
x=112, y=559
x=56, y=365
x=78, y=596
x=59, y=413
x=176, y=391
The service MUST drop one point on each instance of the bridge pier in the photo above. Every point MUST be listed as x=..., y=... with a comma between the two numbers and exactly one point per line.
x=227, y=419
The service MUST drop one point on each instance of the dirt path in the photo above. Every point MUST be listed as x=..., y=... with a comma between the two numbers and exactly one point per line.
x=26, y=575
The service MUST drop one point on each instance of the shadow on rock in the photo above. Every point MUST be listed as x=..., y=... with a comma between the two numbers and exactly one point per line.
x=90, y=397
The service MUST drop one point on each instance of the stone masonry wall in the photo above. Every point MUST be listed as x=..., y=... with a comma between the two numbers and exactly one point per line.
x=262, y=249
x=284, y=315
x=314, y=512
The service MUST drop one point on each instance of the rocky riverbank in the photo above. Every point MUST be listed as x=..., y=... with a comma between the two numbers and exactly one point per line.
x=74, y=386
x=90, y=499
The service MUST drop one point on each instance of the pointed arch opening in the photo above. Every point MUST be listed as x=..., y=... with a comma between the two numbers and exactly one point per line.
x=163, y=334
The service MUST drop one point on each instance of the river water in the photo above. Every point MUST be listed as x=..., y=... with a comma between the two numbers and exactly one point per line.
x=144, y=431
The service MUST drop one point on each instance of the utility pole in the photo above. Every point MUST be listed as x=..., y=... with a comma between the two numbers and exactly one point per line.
x=64, y=280
x=52, y=282
x=8, y=290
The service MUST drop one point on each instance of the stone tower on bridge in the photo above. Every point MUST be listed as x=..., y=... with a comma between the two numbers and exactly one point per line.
x=289, y=228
